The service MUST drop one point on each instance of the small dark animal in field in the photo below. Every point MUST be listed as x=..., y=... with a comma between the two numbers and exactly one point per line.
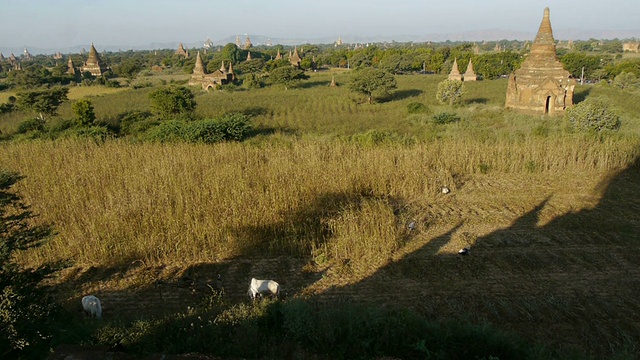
x=463, y=251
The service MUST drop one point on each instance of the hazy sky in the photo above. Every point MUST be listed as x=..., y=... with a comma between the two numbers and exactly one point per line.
x=63, y=23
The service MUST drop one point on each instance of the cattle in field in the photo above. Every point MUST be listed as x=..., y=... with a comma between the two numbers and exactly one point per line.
x=445, y=190
x=263, y=287
x=92, y=306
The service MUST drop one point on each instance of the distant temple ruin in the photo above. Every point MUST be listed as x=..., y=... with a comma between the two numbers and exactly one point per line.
x=182, y=52
x=541, y=85
x=219, y=77
x=631, y=46
x=93, y=64
x=247, y=44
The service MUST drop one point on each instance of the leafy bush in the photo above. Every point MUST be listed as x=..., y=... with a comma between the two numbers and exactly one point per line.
x=592, y=115
x=229, y=127
x=450, y=92
x=417, y=108
x=134, y=122
x=83, y=109
x=236, y=126
x=445, y=118
x=35, y=124
x=6, y=108
x=167, y=131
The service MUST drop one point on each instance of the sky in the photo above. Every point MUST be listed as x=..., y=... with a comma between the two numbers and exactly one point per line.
x=139, y=23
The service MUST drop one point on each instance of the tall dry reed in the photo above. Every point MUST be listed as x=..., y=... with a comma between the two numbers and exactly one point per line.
x=118, y=202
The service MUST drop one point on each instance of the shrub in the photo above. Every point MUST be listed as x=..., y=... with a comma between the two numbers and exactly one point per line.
x=592, y=115
x=445, y=118
x=134, y=122
x=450, y=92
x=83, y=109
x=35, y=124
x=6, y=108
x=167, y=131
x=417, y=108
x=236, y=126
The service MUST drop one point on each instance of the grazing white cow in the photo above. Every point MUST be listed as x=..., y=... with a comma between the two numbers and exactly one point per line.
x=263, y=287
x=445, y=190
x=463, y=251
x=91, y=306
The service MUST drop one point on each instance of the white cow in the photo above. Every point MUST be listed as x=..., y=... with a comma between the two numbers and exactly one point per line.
x=92, y=306
x=263, y=287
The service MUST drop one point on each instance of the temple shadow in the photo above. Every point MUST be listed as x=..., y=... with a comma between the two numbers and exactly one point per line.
x=570, y=283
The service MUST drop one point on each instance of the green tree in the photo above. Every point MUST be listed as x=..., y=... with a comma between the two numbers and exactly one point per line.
x=592, y=115
x=574, y=62
x=626, y=80
x=25, y=311
x=370, y=81
x=286, y=75
x=83, y=109
x=129, y=68
x=173, y=101
x=450, y=92
x=232, y=53
x=43, y=102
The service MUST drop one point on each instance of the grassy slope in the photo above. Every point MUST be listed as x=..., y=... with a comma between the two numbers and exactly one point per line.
x=550, y=217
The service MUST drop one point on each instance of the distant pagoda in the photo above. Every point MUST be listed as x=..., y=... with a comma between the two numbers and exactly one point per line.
x=93, y=64
x=470, y=75
x=455, y=73
x=247, y=43
x=294, y=58
x=182, y=52
x=541, y=85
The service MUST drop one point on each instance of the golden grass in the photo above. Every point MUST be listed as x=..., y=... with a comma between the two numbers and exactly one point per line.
x=118, y=202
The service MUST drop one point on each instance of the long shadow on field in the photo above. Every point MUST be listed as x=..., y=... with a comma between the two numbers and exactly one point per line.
x=311, y=84
x=406, y=94
x=572, y=282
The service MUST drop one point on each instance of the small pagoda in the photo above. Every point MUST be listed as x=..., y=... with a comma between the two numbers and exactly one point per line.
x=541, y=85
x=295, y=58
x=71, y=68
x=93, y=64
x=182, y=52
x=455, y=73
x=470, y=75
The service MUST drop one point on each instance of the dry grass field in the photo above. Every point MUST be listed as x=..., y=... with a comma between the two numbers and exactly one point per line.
x=549, y=216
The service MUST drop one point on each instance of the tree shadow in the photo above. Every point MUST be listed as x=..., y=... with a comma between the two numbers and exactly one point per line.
x=582, y=94
x=405, y=94
x=477, y=101
x=311, y=84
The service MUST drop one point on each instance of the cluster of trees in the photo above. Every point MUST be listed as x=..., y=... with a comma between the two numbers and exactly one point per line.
x=396, y=58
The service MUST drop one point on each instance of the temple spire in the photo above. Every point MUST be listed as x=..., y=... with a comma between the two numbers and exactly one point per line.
x=544, y=45
x=199, y=68
x=455, y=73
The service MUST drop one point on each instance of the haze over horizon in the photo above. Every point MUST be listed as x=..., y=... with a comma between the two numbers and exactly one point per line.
x=66, y=23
